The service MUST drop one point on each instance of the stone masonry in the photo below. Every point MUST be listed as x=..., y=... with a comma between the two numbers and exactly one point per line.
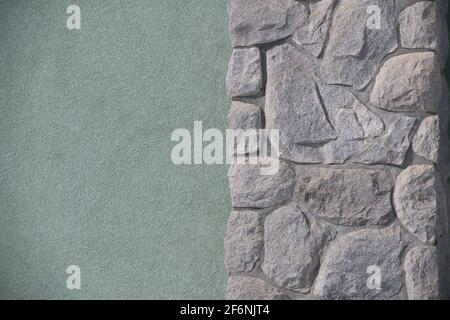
x=357, y=209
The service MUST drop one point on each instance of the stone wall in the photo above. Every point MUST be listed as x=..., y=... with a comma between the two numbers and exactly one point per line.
x=357, y=209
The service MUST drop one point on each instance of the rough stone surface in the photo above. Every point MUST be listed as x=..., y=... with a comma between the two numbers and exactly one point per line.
x=263, y=21
x=247, y=118
x=346, y=83
x=355, y=50
x=246, y=288
x=427, y=141
x=358, y=123
x=417, y=201
x=293, y=243
x=422, y=274
x=251, y=189
x=343, y=274
x=244, y=241
x=313, y=34
x=245, y=76
x=353, y=197
x=295, y=105
x=422, y=27
x=408, y=83
x=321, y=123
x=390, y=148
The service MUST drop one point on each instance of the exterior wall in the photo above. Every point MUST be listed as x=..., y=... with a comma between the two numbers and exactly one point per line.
x=357, y=209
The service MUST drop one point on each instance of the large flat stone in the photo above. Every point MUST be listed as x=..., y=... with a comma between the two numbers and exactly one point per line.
x=422, y=274
x=246, y=288
x=356, y=47
x=321, y=123
x=244, y=241
x=344, y=271
x=293, y=99
x=353, y=197
x=251, y=189
x=263, y=21
x=408, y=83
x=293, y=244
x=418, y=200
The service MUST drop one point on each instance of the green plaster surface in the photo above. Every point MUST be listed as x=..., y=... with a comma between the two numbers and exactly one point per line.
x=85, y=171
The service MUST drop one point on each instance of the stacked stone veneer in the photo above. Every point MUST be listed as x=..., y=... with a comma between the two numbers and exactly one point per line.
x=362, y=113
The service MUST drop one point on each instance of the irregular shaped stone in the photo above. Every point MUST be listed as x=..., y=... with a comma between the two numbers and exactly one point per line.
x=244, y=118
x=390, y=148
x=294, y=104
x=344, y=271
x=246, y=288
x=422, y=27
x=417, y=201
x=293, y=244
x=262, y=21
x=251, y=189
x=353, y=197
x=347, y=126
x=357, y=43
x=345, y=122
x=341, y=150
x=408, y=83
x=422, y=274
x=244, y=76
x=244, y=241
x=312, y=35
x=427, y=140
x=372, y=125
x=357, y=123
x=336, y=98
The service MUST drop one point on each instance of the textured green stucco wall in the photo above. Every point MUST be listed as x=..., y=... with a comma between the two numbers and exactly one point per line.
x=85, y=171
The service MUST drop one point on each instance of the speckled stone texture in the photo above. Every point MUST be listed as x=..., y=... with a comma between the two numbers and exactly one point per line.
x=358, y=208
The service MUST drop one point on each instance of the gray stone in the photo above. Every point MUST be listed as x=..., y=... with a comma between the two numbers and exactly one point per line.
x=312, y=35
x=357, y=123
x=417, y=201
x=293, y=244
x=422, y=274
x=317, y=122
x=246, y=288
x=263, y=21
x=293, y=101
x=422, y=27
x=345, y=271
x=390, y=148
x=408, y=83
x=356, y=45
x=244, y=241
x=244, y=116
x=353, y=197
x=357, y=133
x=245, y=119
x=372, y=125
x=347, y=126
x=251, y=189
x=245, y=76
x=427, y=141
